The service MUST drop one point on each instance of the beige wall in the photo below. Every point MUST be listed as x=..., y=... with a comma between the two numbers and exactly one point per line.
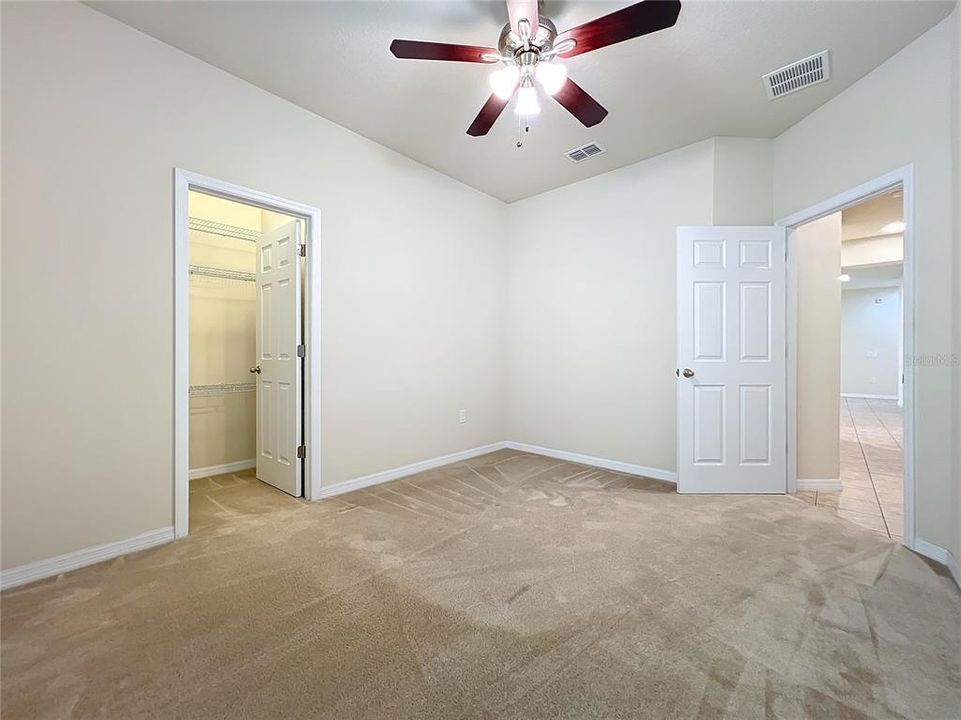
x=743, y=169
x=835, y=149
x=412, y=277
x=818, y=248
x=591, y=329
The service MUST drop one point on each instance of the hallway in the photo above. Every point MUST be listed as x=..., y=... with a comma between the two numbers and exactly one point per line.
x=872, y=468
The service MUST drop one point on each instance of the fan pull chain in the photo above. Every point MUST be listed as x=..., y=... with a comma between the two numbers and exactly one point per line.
x=523, y=126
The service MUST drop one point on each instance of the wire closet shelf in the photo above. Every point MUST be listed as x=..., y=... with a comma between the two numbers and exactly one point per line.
x=238, y=233
x=224, y=230
x=221, y=389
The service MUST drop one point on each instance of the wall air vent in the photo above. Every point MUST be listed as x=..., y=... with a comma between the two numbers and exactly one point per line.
x=580, y=154
x=798, y=75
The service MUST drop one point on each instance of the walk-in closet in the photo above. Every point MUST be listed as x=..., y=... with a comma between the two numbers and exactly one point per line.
x=230, y=297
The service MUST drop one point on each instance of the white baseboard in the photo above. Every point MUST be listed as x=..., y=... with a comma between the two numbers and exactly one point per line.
x=818, y=484
x=939, y=554
x=414, y=468
x=399, y=472
x=616, y=465
x=868, y=396
x=41, y=569
x=196, y=473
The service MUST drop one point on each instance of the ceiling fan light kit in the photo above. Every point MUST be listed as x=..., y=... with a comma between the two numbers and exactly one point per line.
x=527, y=103
x=504, y=81
x=551, y=76
x=528, y=48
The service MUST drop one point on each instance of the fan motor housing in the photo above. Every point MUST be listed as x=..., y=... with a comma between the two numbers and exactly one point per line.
x=543, y=40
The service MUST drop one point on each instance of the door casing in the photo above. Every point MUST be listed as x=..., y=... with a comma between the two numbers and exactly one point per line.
x=902, y=177
x=184, y=182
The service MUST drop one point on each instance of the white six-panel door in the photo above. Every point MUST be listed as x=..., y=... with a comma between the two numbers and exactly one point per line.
x=731, y=402
x=278, y=369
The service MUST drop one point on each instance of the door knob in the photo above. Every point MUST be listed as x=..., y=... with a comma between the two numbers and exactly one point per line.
x=688, y=373
x=256, y=369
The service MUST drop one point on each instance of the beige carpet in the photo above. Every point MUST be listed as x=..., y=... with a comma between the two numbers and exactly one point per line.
x=510, y=586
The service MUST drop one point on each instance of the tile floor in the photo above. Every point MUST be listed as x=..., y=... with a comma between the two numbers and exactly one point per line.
x=872, y=468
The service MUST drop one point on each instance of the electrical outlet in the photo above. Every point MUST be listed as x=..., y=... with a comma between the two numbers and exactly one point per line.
x=463, y=416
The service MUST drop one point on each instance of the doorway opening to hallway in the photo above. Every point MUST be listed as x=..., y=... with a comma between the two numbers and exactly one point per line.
x=850, y=350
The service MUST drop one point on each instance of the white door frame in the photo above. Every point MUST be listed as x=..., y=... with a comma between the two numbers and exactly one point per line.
x=903, y=176
x=184, y=182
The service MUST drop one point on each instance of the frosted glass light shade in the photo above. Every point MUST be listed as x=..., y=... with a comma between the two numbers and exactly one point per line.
x=527, y=103
x=551, y=76
x=504, y=80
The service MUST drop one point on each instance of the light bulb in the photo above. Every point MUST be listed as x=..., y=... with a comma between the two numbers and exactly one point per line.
x=527, y=103
x=504, y=81
x=844, y=277
x=892, y=228
x=551, y=77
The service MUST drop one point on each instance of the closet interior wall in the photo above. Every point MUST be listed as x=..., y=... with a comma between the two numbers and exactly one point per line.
x=223, y=330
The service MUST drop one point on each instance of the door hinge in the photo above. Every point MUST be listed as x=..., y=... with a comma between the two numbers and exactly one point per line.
x=302, y=250
x=301, y=351
x=301, y=452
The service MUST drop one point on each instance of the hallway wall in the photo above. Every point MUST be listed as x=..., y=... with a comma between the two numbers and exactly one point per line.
x=871, y=341
x=818, y=250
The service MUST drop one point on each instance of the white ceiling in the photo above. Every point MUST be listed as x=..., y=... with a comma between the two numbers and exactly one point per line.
x=694, y=81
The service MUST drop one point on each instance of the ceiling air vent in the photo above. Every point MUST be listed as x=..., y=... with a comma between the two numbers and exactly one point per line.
x=798, y=75
x=583, y=152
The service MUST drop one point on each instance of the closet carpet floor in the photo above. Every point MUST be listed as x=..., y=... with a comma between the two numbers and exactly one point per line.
x=507, y=586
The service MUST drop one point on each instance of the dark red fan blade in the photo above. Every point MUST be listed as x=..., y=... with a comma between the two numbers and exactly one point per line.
x=631, y=22
x=580, y=104
x=418, y=50
x=487, y=116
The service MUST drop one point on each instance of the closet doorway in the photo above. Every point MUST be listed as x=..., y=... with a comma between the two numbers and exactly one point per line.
x=243, y=367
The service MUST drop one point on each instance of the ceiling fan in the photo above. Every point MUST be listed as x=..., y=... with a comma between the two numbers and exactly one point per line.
x=528, y=49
